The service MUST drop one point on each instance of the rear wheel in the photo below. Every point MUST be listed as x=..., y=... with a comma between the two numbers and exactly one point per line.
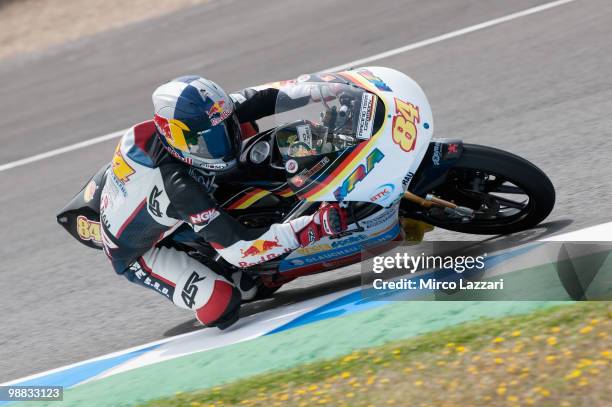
x=507, y=193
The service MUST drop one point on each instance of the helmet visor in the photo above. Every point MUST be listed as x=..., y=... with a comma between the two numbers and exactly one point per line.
x=213, y=143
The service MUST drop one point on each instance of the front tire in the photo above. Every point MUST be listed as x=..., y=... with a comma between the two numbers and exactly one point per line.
x=480, y=179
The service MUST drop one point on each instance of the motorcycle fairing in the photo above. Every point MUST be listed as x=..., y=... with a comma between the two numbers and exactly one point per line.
x=396, y=154
x=81, y=216
x=336, y=251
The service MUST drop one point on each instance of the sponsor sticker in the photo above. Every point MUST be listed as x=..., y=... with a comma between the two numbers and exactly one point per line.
x=437, y=154
x=153, y=201
x=305, y=134
x=381, y=219
x=375, y=80
x=190, y=289
x=291, y=166
x=203, y=218
x=90, y=191
x=358, y=174
x=406, y=180
x=260, y=247
x=365, y=123
x=121, y=169
x=214, y=166
x=382, y=194
x=217, y=113
x=301, y=178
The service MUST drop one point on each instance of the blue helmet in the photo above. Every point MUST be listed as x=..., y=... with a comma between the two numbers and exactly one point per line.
x=197, y=123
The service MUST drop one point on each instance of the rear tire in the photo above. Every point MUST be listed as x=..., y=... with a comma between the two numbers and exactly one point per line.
x=520, y=172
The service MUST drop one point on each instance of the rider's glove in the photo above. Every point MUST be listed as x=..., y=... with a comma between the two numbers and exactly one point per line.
x=329, y=220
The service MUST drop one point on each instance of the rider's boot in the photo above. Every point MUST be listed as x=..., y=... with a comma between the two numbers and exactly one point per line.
x=246, y=284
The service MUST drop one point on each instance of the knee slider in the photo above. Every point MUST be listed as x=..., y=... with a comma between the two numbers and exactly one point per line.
x=223, y=307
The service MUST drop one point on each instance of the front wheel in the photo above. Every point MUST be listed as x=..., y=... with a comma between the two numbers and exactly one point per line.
x=507, y=193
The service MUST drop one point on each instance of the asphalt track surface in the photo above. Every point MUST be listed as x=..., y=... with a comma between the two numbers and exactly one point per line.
x=538, y=86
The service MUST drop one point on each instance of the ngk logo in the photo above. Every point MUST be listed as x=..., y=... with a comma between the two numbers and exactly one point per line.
x=204, y=217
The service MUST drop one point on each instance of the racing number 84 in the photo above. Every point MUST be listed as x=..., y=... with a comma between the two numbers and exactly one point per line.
x=404, y=125
x=88, y=229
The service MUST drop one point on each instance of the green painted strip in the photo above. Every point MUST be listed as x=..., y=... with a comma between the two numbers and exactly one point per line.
x=324, y=339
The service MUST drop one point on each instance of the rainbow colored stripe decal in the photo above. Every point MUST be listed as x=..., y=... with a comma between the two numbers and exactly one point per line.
x=358, y=174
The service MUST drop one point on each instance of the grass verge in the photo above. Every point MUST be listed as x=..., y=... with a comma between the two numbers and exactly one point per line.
x=555, y=357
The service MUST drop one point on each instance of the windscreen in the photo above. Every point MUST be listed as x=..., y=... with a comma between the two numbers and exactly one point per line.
x=319, y=118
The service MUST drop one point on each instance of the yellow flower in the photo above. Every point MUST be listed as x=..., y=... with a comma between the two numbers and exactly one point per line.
x=461, y=349
x=552, y=340
x=576, y=373
x=418, y=383
x=350, y=395
x=345, y=375
x=450, y=344
x=512, y=398
x=501, y=391
x=499, y=361
x=544, y=393
x=551, y=358
x=498, y=339
x=397, y=351
x=606, y=353
x=583, y=382
x=195, y=404
x=347, y=359
x=586, y=329
x=407, y=369
x=313, y=387
x=515, y=333
x=555, y=329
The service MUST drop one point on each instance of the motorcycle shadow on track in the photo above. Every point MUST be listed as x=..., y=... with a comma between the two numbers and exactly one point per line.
x=291, y=295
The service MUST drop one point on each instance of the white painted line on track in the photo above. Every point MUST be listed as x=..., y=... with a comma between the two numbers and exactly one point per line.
x=382, y=55
x=452, y=34
x=61, y=150
x=247, y=328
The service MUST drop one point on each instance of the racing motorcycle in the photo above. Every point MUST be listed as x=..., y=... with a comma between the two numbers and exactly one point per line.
x=361, y=137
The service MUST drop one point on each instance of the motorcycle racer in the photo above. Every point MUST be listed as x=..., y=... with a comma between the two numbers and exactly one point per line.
x=162, y=177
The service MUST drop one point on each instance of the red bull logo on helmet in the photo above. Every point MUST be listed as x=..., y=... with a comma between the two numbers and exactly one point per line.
x=217, y=112
x=260, y=247
x=174, y=131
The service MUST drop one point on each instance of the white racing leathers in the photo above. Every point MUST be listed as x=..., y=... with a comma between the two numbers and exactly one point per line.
x=147, y=195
